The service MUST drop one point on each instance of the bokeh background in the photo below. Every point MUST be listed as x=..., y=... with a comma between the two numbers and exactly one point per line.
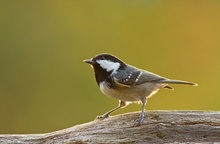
x=45, y=86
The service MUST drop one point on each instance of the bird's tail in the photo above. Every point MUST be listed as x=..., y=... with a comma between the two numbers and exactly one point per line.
x=168, y=81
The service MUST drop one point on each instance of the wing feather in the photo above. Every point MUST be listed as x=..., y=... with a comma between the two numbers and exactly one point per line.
x=133, y=76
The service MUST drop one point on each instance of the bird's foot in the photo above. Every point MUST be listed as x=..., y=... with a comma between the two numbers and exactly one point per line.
x=140, y=121
x=102, y=117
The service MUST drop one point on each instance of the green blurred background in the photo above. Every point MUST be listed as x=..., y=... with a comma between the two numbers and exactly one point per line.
x=45, y=86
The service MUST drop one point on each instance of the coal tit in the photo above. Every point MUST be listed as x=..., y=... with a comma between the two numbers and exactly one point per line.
x=126, y=83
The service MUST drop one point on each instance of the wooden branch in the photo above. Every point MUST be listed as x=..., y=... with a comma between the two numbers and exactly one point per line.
x=158, y=127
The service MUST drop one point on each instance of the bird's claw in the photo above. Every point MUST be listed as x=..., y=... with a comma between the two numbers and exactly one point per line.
x=139, y=121
x=101, y=117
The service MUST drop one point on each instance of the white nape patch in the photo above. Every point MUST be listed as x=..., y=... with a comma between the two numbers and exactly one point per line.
x=109, y=65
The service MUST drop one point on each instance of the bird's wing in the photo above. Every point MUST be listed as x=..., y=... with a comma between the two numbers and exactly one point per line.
x=133, y=76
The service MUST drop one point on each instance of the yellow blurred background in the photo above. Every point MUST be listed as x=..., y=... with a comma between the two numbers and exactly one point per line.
x=45, y=86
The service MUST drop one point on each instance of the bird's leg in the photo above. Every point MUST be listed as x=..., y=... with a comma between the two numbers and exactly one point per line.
x=106, y=115
x=144, y=102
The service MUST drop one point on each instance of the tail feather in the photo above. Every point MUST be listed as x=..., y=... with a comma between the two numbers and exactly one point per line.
x=168, y=81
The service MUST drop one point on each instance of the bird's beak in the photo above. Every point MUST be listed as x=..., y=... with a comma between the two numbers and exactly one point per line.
x=89, y=61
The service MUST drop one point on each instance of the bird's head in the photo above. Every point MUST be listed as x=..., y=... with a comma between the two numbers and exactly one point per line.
x=106, y=63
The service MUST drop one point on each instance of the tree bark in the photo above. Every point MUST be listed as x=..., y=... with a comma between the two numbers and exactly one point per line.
x=158, y=127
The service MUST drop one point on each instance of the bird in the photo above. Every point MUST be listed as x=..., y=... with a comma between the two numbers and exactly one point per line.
x=127, y=83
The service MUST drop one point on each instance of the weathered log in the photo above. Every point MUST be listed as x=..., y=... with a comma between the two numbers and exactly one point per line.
x=158, y=127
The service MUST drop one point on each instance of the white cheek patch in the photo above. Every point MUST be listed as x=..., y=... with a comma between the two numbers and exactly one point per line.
x=109, y=65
